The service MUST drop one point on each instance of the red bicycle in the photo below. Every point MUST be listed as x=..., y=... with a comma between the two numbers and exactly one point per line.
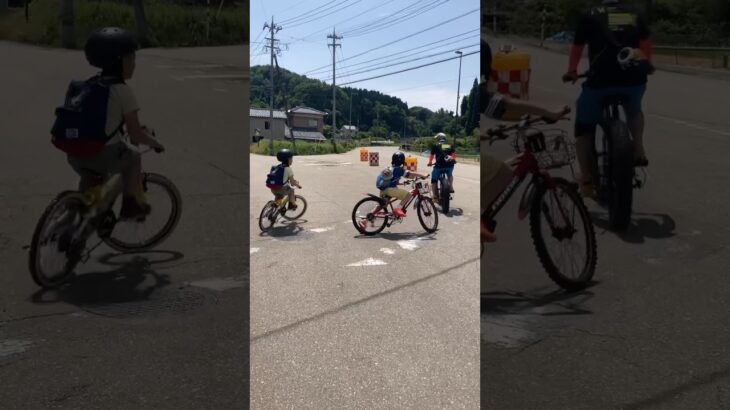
x=556, y=209
x=373, y=213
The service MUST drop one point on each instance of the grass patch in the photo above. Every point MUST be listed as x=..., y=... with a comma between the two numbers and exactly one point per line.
x=170, y=24
x=303, y=147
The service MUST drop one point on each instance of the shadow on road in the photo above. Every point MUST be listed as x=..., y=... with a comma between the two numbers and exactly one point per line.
x=132, y=279
x=643, y=226
x=286, y=230
x=453, y=212
x=400, y=236
x=555, y=303
x=667, y=396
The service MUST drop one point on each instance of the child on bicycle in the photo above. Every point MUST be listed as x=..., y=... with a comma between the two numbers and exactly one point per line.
x=495, y=174
x=281, y=178
x=90, y=126
x=445, y=157
x=388, y=179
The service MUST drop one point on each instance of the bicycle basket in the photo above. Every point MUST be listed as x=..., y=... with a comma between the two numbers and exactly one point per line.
x=424, y=188
x=558, y=151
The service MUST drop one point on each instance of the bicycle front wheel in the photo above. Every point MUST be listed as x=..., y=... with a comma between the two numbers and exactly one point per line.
x=444, y=193
x=299, y=212
x=558, y=213
x=621, y=176
x=166, y=203
x=54, y=250
x=427, y=214
x=267, y=219
x=369, y=216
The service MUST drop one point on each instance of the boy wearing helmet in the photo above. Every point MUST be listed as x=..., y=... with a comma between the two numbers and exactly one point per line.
x=388, y=180
x=281, y=178
x=90, y=126
x=445, y=161
x=495, y=175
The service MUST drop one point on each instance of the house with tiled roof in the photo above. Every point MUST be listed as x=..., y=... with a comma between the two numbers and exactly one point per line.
x=306, y=124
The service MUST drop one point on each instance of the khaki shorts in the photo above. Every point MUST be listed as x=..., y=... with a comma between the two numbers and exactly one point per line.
x=284, y=191
x=106, y=163
x=396, y=193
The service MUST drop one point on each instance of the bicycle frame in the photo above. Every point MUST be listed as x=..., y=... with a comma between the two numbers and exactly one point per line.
x=415, y=193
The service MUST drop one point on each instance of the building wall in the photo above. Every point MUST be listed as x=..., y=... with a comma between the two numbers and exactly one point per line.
x=260, y=123
x=302, y=121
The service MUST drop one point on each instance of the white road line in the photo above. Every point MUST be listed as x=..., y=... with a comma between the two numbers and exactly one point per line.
x=691, y=125
x=369, y=262
x=254, y=250
x=409, y=245
x=320, y=230
x=387, y=251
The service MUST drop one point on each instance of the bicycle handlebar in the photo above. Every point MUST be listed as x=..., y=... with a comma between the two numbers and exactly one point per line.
x=500, y=132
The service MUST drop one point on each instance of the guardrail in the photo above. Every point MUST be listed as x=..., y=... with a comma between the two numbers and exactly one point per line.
x=724, y=52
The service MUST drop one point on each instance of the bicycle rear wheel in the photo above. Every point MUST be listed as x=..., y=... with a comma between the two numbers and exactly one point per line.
x=369, y=216
x=621, y=175
x=299, y=212
x=54, y=252
x=166, y=204
x=567, y=220
x=427, y=215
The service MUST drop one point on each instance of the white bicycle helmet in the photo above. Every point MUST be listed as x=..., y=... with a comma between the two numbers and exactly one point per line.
x=440, y=137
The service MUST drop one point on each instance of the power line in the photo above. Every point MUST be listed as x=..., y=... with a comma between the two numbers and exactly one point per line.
x=386, y=24
x=339, y=22
x=378, y=21
x=323, y=15
x=308, y=13
x=406, y=69
x=406, y=62
x=412, y=49
x=403, y=38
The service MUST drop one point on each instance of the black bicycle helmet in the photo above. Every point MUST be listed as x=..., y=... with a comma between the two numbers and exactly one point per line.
x=106, y=47
x=399, y=159
x=284, y=155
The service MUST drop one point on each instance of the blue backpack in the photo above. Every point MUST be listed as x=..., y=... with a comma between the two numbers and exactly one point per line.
x=80, y=126
x=382, y=183
x=275, y=178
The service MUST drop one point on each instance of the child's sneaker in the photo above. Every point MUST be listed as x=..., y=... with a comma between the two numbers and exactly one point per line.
x=399, y=212
x=293, y=207
x=133, y=210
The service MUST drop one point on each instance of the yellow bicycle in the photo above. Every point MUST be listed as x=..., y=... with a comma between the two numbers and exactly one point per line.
x=70, y=220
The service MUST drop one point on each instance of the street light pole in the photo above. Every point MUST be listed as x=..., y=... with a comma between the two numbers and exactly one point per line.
x=458, y=89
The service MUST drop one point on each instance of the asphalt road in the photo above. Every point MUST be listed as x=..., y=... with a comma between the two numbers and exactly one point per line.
x=165, y=329
x=345, y=321
x=653, y=330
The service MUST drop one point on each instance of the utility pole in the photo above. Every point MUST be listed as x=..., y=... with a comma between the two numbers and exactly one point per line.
x=273, y=29
x=67, y=18
x=334, y=45
x=494, y=18
x=543, y=16
x=458, y=90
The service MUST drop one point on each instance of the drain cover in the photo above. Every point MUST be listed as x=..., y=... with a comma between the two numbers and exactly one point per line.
x=181, y=301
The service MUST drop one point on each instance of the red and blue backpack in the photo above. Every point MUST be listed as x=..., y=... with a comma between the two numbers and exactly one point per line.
x=275, y=178
x=80, y=125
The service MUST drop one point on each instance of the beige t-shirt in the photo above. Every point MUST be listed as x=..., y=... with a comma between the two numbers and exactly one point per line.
x=288, y=173
x=121, y=102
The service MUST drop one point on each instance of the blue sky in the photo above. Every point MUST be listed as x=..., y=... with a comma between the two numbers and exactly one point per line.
x=367, y=25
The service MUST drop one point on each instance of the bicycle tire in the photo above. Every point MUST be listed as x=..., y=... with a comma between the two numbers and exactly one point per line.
x=553, y=271
x=355, y=220
x=36, y=271
x=621, y=177
x=420, y=211
x=268, y=209
x=172, y=220
x=445, y=195
x=302, y=205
